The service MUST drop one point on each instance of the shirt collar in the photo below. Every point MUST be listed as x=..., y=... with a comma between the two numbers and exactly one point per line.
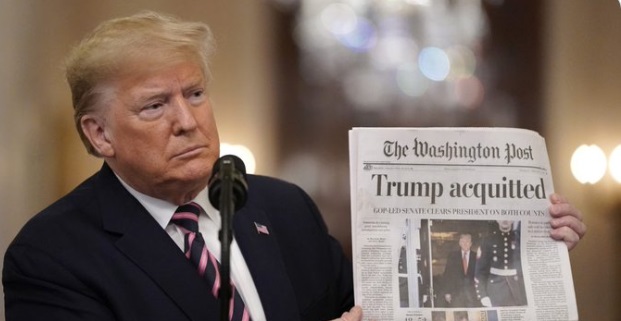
x=162, y=211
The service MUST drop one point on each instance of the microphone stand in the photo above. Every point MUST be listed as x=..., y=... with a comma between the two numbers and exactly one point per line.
x=227, y=208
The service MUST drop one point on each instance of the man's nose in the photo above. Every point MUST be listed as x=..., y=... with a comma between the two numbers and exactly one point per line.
x=184, y=119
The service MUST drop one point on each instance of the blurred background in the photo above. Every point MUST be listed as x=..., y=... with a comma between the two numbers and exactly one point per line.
x=293, y=76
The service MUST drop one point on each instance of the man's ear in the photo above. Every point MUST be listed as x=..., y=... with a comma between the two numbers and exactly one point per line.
x=94, y=128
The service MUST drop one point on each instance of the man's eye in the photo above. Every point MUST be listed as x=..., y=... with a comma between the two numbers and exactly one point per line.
x=152, y=106
x=151, y=111
x=197, y=97
x=199, y=94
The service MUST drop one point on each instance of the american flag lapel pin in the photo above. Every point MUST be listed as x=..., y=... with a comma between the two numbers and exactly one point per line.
x=261, y=229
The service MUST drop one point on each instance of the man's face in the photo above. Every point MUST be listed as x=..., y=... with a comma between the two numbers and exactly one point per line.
x=161, y=130
x=465, y=242
x=505, y=226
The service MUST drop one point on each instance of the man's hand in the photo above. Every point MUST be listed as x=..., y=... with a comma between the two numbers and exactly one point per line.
x=355, y=314
x=566, y=222
x=486, y=302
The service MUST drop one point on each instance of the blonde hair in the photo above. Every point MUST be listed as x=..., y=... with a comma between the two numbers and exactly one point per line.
x=109, y=50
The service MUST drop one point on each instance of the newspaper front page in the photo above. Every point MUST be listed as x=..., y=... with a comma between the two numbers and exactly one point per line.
x=452, y=224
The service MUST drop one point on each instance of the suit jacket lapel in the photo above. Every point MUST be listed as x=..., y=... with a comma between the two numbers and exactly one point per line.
x=145, y=243
x=262, y=255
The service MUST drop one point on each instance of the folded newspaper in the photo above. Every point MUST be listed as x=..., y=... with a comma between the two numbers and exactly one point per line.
x=452, y=224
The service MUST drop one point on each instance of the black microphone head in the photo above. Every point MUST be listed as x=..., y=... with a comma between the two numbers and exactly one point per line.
x=237, y=162
x=228, y=167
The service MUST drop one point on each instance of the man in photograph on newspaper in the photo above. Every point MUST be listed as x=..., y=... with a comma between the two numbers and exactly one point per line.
x=458, y=277
x=498, y=272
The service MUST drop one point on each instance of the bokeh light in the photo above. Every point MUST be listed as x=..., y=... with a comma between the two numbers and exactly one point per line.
x=614, y=164
x=339, y=18
x=382, y=41
x=393, y=50
x=469, y=92
x=361, y=38
x=463, y=62
x=242, y=152
x=434, y=63
x=588, y=164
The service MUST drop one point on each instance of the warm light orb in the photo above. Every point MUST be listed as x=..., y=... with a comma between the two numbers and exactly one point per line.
x=588, y=164
x=614, y=164
x=242, y=152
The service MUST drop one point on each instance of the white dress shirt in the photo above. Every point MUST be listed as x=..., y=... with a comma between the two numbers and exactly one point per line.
x=208, y=225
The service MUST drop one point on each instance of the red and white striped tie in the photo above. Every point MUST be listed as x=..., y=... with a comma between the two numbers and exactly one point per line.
x=186, y=217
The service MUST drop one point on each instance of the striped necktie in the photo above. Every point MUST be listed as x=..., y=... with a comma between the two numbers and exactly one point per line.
x=186, y=217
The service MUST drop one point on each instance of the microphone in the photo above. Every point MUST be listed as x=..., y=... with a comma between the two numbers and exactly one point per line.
x=227, y=193
x=229, y=169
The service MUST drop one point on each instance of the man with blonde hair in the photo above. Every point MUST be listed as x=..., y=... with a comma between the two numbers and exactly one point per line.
x=112, y=249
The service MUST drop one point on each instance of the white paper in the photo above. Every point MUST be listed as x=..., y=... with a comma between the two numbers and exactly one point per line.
x=416, y=191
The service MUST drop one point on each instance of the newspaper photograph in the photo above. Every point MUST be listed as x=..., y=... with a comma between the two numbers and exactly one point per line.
x=452, y=224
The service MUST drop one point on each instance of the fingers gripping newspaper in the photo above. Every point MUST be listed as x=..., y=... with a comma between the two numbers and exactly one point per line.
x=452, y=224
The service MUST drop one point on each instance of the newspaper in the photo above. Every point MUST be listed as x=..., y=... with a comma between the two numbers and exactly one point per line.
x=452, y=224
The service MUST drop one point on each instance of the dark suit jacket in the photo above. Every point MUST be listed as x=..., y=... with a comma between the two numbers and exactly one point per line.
x=459, y=284
x=97, y=254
